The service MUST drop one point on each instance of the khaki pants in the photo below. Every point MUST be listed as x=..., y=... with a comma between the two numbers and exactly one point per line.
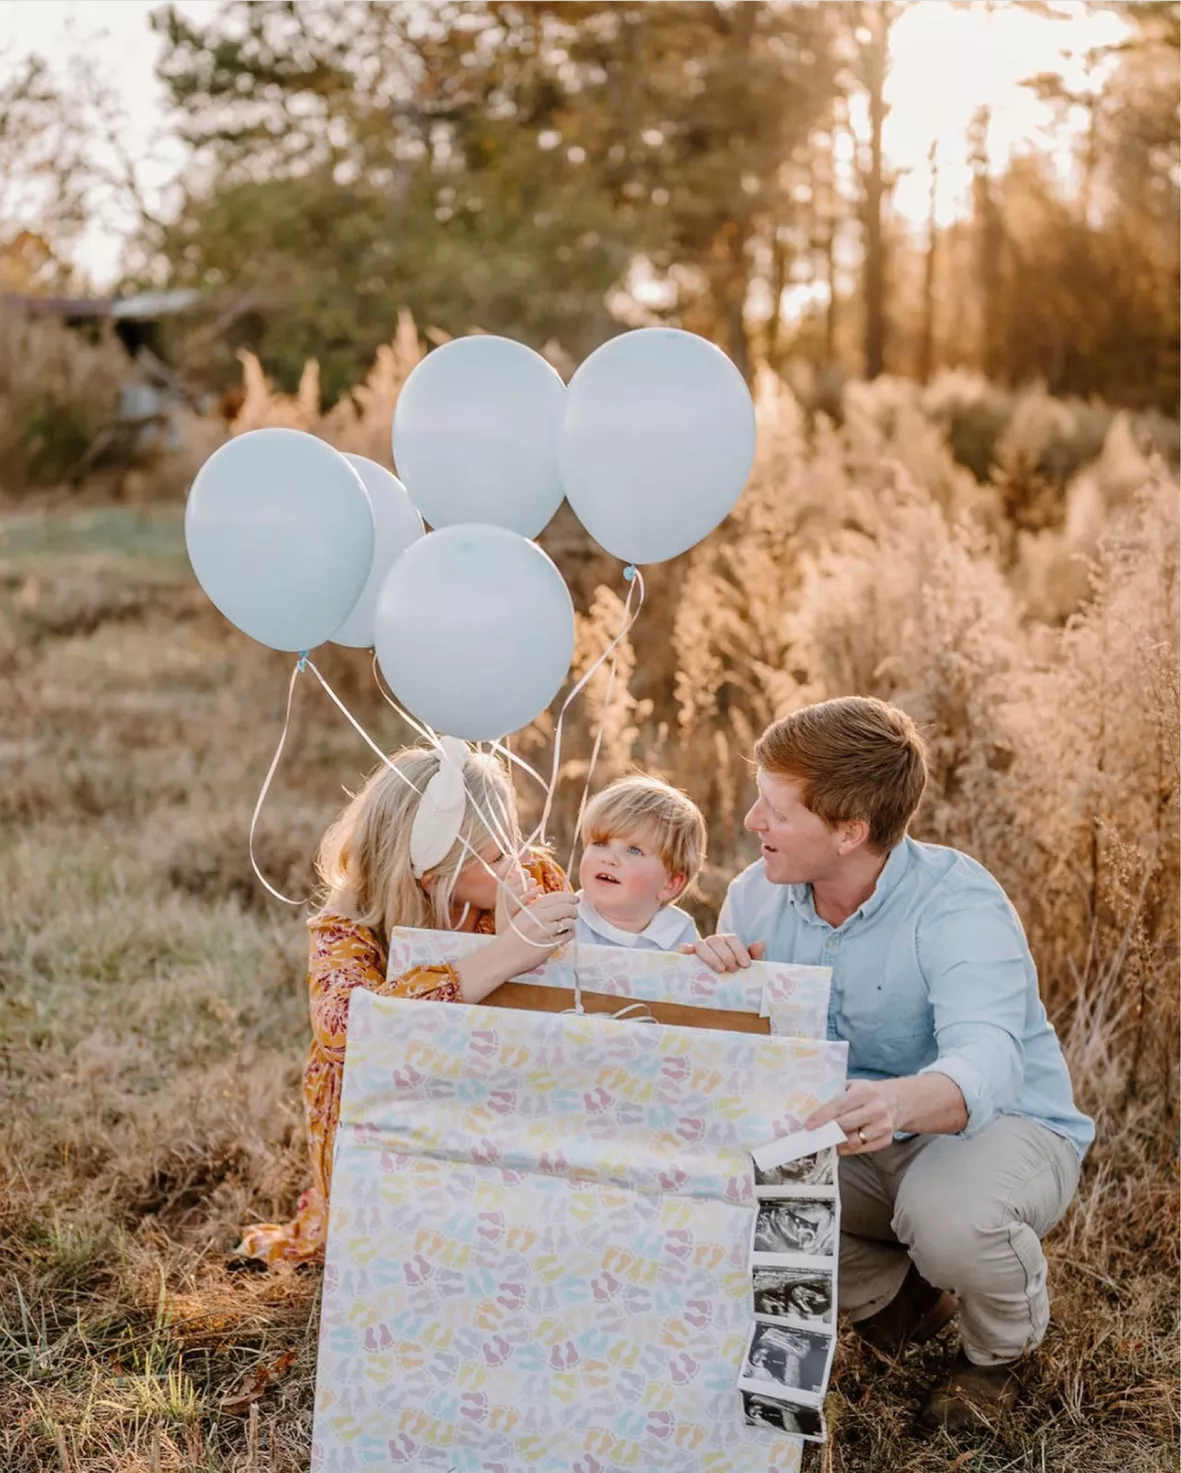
x=971, y=1214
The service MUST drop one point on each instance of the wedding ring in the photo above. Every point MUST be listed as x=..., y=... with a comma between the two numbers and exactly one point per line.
x=861, y=1136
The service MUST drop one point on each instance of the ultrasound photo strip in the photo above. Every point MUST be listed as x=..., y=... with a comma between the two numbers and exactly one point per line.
x=800, y=1296
x=793, y=1228
x=784, y=1416
x=794, y=1245
x=819, y=1170
x=786, y=1362
x=806, y=1189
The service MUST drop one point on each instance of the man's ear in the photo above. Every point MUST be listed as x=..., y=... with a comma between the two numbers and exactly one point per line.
x=675, y=887
x=854, y=834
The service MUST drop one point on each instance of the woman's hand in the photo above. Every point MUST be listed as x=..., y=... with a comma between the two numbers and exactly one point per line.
x=516, y=890
x=539, y=928
x=532, y=934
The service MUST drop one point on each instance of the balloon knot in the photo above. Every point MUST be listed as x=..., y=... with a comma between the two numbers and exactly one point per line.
x=629, y=573
x=303, y=661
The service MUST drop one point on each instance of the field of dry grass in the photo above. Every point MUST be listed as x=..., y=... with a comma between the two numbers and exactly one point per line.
x=152, y=1018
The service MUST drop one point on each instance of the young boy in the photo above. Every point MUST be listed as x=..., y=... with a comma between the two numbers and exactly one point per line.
x=643, y=846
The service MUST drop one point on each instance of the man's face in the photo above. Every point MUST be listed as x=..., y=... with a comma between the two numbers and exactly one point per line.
x=798, y=847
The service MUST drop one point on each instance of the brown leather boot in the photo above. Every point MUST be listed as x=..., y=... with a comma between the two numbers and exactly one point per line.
x=915, y=1314
x=972, y=1396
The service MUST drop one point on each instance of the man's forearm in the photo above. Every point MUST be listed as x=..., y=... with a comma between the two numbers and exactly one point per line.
x=927, y=1104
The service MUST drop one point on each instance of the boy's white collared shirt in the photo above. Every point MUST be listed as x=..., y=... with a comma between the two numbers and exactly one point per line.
x=668, y=929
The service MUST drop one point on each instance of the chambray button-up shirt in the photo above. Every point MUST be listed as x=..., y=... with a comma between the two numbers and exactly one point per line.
x=932, y=974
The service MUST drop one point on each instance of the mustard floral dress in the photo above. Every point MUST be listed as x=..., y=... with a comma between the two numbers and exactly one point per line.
x=344, y=955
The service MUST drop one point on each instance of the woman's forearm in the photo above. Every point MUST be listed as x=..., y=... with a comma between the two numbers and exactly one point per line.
x=484, y=970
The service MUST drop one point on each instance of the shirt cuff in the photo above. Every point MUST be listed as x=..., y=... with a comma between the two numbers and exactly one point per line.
x=971, y=1084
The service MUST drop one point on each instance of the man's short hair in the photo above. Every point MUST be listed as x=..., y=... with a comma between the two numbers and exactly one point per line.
x=855, y=758
x=669, y=819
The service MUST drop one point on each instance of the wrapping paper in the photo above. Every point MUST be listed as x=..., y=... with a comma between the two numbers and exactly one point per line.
x=793, y=998
x=539, y=1251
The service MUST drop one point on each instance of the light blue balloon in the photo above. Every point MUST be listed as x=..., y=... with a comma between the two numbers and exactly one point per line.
x=657, y=444
x=476, y=430
x=474, y=630
x=280, y=535
x=396, y=524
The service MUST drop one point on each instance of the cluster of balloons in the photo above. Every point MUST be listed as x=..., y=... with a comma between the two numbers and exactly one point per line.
x=472, y=624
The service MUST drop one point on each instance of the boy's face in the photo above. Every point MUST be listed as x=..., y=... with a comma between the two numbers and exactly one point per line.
x=624, y=878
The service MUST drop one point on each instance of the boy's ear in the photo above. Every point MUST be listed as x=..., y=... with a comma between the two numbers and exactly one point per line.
x=676, y=885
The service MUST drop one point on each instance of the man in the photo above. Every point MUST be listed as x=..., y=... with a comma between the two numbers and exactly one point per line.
x=964, y=1143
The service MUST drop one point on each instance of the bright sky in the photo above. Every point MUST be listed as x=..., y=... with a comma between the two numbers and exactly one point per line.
x=945, y=63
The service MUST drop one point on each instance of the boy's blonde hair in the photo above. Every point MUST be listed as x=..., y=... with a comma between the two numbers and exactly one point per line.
x=364, y=859
x=670, y=820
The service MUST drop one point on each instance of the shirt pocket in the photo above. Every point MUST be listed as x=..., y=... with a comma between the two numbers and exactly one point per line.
x=889, y=1027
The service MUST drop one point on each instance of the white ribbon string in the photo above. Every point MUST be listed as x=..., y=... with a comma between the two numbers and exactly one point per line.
x=388, y=697
x=498, y=829
x=502, y=749
x=266, y=783
x=635, y=580
x=468, y=849
x=641, y=1009
x=503, y=836
x=626, y=624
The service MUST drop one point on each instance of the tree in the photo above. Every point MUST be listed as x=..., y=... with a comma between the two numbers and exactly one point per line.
x=926, y=362
x=702, y=112
x=989, y=236
x=488, y=164
x=874, y=38
x=44, y=179
x=1089, y=300
x=350, y=159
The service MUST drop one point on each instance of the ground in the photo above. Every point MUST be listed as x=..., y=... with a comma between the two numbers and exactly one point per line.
x=152, y=1023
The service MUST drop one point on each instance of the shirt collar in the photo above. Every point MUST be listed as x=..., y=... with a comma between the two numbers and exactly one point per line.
x=896, y=865
x=662, y=930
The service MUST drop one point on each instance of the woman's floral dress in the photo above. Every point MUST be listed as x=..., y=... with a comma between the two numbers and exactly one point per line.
x=344, y=955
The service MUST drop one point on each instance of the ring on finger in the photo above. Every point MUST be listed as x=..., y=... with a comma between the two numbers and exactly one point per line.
x=862, y=1137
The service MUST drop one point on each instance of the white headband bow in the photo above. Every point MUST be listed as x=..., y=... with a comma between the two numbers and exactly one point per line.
x=441, y=808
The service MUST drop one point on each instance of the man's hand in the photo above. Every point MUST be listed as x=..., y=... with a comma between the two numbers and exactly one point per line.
x=868, y=1113
x=724, y=953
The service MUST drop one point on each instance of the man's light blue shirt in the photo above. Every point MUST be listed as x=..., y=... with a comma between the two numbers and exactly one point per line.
x=932, y=974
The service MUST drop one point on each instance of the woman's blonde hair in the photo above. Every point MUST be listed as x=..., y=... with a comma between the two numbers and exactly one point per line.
x=364, y=859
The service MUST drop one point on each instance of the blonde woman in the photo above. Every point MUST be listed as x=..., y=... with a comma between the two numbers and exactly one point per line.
x=430, y=841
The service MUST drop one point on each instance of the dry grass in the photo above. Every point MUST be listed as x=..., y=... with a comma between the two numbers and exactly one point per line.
x=152, y=1017
x=57, y=387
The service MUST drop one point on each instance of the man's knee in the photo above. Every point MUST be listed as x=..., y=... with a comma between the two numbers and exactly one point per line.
x=957, y=1242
